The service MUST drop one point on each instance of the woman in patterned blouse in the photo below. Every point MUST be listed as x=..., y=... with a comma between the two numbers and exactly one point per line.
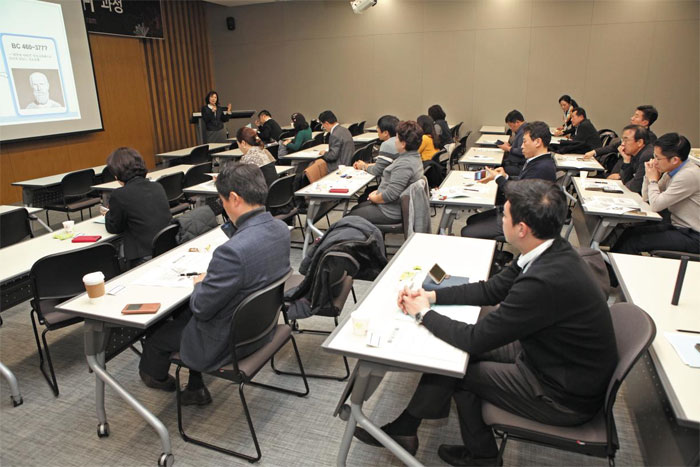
x=252, y=147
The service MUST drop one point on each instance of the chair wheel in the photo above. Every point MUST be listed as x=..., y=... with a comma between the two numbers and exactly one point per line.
x=103, y=430
x=17, y=401
x=166, y=460
x=344, y=413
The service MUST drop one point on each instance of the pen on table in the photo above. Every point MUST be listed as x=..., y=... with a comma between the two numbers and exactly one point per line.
x=687, y=330
x=189, y=274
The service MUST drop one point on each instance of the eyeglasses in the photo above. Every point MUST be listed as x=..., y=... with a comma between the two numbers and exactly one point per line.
x=660, y=158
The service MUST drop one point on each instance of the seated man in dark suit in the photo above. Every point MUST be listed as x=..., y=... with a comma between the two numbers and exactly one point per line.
x=585, y=135
x=268, y=129
x=513, y=158
x=636, y=150
x=256, y=255
x=139, y=209
x=644, y=115
x=538, y=164
x=340, y=144
x=546, y=353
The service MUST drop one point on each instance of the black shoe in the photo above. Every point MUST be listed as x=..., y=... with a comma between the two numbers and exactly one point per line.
x=168, y=385
x=461, y=456
x=199, y=396
x=409, y=443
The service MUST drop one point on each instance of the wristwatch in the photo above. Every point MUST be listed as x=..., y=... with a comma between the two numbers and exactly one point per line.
x=420, y=315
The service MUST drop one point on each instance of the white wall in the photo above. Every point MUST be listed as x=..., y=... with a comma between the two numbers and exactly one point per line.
x=478, y=59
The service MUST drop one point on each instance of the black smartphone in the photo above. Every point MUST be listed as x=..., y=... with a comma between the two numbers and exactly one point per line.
x=498, y=142
x=437, y=274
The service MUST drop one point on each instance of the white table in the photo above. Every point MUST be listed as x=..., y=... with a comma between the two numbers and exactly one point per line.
x=648, y=283
x=308, y=155
x=213, y=148
x=460, y=191
x=319, y=191
x=412, y=347
x=695, y=155
x=600, y=222
x=106, y=188
x=100, y=317
x=493, y=129
x=30, y=187
x=482, y=157
x=17, y=260
x=365, y=137
x=573, y=164
x=556, y=139
x=490, y=140
x=664, y=402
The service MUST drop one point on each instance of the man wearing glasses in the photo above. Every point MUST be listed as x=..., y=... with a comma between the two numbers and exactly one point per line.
x=671, y=182
x=636, y=150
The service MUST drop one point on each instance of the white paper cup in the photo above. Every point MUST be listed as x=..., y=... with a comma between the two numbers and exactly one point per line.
x=94, y=286
x=68, y=226
x=584, y=174
x=360, y=324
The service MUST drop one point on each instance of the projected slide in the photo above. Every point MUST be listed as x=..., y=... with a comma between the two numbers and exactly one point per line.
x=36, y=74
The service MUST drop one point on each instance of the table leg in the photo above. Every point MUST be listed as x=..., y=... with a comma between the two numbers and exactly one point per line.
x=311, y=211
x=27, y=196
x=14, y=386
x=95, y=343
x=602, y=230
x=366, y=380
x=448, y=217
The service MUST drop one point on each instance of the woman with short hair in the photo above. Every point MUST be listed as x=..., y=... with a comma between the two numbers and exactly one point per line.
x=139, y=209
x=383, y=206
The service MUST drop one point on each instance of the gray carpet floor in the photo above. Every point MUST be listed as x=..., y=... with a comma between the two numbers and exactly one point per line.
x=61, y=431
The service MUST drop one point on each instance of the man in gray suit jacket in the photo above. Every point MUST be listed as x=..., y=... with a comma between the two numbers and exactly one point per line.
x=256, y=255
x=340, y=143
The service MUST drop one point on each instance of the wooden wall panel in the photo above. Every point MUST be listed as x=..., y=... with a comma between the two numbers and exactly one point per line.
x=120, y=73
x=179, y=74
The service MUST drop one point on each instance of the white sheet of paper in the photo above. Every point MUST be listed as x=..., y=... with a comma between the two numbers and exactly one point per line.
x=684, y=344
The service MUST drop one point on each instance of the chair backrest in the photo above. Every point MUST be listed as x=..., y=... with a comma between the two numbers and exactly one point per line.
x=406, y=206
x=107, y=175
x=286, y=134
x=455, y=131
x=77, y=184
x=338, y=269
x=438, y=157
x=257, y=315
x=172, y=184
x=312, y=142
x=233, y=145
x=463, y=139
x=315, y=125
x=281, y=192
x=361, y=127
x=61, y=275
x=14, y=227
x=273, y=149
x=199, y=155
x=606, y=135
x=316, y=170
x=197, y=174
x=165, y=240
x=354, y=129
x=357, y=155
x=456, y=154
x=634, y=333
x=269, y=172
x=367, y=153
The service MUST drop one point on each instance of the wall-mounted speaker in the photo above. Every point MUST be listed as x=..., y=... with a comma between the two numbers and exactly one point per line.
x=231, y=23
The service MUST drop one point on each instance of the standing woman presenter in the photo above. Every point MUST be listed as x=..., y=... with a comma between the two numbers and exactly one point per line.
x=214, y=117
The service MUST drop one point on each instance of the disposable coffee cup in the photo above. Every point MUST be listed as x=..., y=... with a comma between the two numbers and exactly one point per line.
x=94, y=286
x=584, y=174
x=360, y=324
x=68, y=226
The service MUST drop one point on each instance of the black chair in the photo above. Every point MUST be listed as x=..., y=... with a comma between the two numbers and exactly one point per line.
x=357, y=155
x=606, y=135
x=315, y=125
x=173, y=191
x=354, y=129
x=280, y=200
x=165, y=240
x=75, y=188
x=455, y=131
x=269, y=172
x=14, y=227
x=107, y=175
x=339, y=268
x=367, y=153
x=312, y=142
x=273, y=149
x=197, y=174
x=320, y=138
x=198, y=155
x=634, y=332
x=254, y=319
x=286, y=134
x=57, y=278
